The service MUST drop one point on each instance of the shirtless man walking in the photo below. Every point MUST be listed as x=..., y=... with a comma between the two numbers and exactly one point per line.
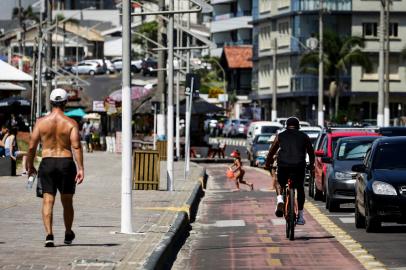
x=60, y=139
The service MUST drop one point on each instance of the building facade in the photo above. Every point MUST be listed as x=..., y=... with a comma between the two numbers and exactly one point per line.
x=292, y=23
x=230, y=24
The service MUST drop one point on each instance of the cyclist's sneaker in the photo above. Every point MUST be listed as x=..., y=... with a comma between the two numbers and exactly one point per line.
x=69, y=238
x=279, y=206
x=300, y=220
x=49, y=241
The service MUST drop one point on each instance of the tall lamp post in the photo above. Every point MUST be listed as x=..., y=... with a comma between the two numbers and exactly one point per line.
x=320, y=118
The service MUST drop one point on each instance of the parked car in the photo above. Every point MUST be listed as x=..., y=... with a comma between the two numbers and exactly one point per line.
x=149, y=67
x=340, y=184
x=312, y=131
x=381, y=184
x=90, y=68
x=392, y=131
x=282, y=121
x=236, y=127
x=262, y=127
x=106, y=64
x=318, y=183
x=136, y=65
x=258, y=149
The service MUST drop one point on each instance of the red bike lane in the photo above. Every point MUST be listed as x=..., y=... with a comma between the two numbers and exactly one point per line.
x=239, y=230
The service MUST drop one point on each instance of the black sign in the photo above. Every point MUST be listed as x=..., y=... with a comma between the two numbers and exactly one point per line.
x=192, y=84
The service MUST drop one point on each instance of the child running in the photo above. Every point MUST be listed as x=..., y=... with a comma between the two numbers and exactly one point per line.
x=238, y=171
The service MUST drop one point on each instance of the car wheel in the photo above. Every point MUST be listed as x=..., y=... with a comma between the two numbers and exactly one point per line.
x=372, y=224
x=331, y=204
x=91, y=73
x=359, y=219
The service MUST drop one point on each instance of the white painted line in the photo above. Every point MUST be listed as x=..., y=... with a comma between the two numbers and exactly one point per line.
x=230, y=223
x=347, y=220
x=278, y=222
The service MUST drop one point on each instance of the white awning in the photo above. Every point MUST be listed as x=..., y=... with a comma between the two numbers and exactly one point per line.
x=9, y=73
x=11, y=87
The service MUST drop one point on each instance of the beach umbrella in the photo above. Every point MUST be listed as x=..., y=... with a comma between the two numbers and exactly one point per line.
x=76, y=113
x=15, y=104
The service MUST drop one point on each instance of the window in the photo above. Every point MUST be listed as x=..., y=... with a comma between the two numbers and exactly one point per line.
x=393, y=29
x=370, y=29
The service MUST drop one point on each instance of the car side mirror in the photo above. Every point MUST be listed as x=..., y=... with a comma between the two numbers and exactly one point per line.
x=326, y=160
x=360, y=168
x=319, y=153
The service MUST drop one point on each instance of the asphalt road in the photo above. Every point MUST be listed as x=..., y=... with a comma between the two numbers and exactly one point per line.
x=388, y=245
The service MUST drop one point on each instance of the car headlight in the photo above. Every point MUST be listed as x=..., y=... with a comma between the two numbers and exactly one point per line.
x=382, y=188
x=262, y=153
x=342, y=175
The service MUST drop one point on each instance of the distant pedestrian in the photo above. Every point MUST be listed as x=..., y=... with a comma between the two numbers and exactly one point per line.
x=87, y=130
x=11, y=148
x=239, y=172
x=60, y=139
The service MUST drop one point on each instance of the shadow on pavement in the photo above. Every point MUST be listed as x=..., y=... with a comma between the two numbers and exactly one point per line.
x=89, y=245
x=392, y=229
x=306, y=238
x=98, y=226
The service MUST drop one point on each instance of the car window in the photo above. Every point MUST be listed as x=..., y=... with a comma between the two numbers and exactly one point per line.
x=334, y=144
x=324, y=145
x=269, y=129
x=353, y=150
x=367, y=158
x=320, y=141
x=387, y=156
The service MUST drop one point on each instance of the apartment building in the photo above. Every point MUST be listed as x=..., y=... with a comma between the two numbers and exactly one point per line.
x=292, y=23
x=229, y=25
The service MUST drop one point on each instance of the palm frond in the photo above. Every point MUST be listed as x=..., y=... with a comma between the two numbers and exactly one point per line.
x=311, y=58
x=351, y=43
x=354, y=57
x=403, y=53
x=309, y=70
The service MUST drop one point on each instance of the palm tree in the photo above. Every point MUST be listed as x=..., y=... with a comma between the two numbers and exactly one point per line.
x=339, y=54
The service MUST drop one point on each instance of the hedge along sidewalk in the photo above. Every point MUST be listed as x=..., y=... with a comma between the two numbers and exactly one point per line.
x=97, y=217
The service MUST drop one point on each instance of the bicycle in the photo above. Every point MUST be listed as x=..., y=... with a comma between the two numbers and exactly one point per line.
x=290, y=209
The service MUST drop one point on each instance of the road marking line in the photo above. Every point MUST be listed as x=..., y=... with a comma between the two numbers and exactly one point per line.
x=355, y=248
x=230, y=223
x=261, y=231
x=266, y=239
x=272, y=250
x=274, y=262
x=347, y=220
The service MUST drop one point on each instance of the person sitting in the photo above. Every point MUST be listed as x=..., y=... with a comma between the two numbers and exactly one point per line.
x=11, y=148
x=3, y=137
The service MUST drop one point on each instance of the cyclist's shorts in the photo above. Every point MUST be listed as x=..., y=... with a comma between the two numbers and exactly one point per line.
x=297, y=174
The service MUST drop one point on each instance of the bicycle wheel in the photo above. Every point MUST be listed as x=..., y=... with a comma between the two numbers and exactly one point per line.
x=292, y=215
x=286, y=211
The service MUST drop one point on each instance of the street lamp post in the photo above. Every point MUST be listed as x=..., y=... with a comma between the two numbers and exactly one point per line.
x=126, y=157
x=380, y=116
x=320, y=118
x=274, y=113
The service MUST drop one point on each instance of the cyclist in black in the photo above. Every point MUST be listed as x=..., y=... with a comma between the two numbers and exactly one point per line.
x=293, y=146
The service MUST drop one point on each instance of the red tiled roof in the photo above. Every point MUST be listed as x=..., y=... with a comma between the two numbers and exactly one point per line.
x=238, y=56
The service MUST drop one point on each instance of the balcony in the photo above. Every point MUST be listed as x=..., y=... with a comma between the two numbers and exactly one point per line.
x=230, y=15
x=233, y=23
x=330, y=5
x=310, y=83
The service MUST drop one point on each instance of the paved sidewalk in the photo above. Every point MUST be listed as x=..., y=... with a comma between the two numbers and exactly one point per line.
x=97, y=217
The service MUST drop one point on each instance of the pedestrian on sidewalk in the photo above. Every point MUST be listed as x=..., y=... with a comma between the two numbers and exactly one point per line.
x=239, y=172
x=60, y=139
x=88, y=130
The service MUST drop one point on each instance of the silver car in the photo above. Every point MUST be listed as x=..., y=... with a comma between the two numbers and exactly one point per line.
x=90, y=68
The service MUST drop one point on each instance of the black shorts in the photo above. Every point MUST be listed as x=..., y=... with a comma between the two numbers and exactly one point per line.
x=296, y=174
x=57, y=174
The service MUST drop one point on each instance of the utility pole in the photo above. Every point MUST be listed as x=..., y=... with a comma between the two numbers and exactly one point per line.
x=320, y=119
x=49, y=54
x=20, y=40
x=387, y=71
x=380, y=116
x=274, y=114
x=177, y=123
x=34, y=72
x=169, y=162
x=161, y=71
x=126, y=133
x=39, y=69
x=188, y=100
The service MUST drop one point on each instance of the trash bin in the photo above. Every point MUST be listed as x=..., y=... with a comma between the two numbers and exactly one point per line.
x=146, y=170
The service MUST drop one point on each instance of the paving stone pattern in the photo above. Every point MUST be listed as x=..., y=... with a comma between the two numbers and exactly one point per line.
x=97, y=206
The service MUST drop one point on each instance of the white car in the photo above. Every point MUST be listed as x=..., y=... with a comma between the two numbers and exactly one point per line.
x=106, y=64
x=261, y=127
x=312, y=131
x=87, y=67
x=136, y=65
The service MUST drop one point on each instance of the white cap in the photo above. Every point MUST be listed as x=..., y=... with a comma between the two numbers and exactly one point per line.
x=58, y=95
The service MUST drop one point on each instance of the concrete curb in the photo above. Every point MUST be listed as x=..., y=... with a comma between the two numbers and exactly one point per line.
x=165, y=252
